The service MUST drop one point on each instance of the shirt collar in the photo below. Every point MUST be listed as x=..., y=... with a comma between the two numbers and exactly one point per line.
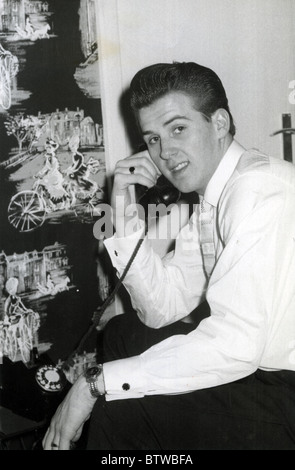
x=223, y=172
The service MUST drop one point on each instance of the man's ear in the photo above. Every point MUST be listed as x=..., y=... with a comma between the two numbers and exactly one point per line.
x=221, y=121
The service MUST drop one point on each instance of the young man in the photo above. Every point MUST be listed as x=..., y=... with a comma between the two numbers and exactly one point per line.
x=227, y=381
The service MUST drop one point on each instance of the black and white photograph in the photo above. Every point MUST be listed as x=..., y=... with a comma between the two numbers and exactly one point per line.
x=147, y=227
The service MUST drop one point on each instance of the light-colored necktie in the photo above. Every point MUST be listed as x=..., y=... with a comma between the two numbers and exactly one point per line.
x=207, y=236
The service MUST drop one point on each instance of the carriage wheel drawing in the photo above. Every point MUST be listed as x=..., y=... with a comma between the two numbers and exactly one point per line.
x=5, y=90
x=26, y=211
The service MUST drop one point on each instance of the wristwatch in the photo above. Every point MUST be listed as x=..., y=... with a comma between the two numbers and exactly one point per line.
x=91, y=374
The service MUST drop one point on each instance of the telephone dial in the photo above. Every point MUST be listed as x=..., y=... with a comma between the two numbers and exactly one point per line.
x=50, y=378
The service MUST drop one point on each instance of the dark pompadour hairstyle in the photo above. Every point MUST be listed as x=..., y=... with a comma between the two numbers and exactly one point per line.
x=199, y=82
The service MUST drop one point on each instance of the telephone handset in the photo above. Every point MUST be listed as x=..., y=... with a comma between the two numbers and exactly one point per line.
x=162, y=193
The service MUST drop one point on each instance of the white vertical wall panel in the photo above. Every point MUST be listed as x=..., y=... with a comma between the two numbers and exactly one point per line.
x=249, y=43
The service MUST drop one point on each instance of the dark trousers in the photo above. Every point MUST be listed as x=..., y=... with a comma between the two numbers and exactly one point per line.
x=255, y=413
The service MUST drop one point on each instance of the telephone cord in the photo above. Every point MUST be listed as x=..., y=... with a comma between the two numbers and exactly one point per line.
x=100, y=311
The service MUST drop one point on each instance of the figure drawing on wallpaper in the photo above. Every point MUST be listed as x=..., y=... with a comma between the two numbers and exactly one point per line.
x=52, y=288
x=39, y=273
x=81, y=185
x=52, y=181
x=9, y=67
x=18, y=329
x=30, y=32
x=56, y=190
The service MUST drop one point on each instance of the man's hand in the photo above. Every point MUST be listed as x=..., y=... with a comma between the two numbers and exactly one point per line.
x=143, y=171
x=67, y=424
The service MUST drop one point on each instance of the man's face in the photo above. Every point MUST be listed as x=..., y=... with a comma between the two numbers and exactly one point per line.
x=181, y=142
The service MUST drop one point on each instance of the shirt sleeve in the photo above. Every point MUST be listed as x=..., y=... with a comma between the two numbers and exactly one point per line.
x=242, y=295
x=162, y=290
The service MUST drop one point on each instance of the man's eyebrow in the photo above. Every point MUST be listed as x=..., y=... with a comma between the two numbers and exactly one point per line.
x=175, y=119
x=166, y=123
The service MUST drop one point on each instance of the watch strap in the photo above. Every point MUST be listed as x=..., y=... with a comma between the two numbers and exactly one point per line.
x=94, y=389
x=92, y=383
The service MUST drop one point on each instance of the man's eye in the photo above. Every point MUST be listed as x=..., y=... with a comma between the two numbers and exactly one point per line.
x=153, y=140
x=179, y=129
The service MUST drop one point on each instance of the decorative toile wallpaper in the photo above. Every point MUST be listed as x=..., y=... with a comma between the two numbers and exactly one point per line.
x=52, y=172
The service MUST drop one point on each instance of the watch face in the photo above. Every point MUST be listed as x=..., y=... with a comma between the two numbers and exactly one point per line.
x=92, y=371
x=91, y=375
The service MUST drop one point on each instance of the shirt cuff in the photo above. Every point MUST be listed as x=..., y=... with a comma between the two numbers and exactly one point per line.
x=123, y=379
x=120, y=249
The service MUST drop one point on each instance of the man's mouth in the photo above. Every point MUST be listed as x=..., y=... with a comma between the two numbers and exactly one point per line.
x=179, y=167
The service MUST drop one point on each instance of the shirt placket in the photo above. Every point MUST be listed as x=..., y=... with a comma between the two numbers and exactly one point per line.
x=207, y=236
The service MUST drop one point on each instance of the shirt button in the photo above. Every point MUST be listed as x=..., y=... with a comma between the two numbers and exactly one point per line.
x=126, y=387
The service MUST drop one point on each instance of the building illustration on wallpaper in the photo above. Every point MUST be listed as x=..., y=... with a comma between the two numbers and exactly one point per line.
x=65, y=127
x=25, y=277
x=24, y=16
x=39, y=273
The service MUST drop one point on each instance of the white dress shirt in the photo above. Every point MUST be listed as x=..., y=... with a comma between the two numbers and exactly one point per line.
x=251, y=291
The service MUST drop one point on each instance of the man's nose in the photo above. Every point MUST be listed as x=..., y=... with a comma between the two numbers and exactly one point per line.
x=166, y=150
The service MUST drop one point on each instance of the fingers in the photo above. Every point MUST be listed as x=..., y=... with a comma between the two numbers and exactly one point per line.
x=144, y=171
x=67, y=422
x=133, y=170
x=140, y=175
x=64, y=444
x=51, y=440
x=54, y=441
x=146, y=155
x=143, y=158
